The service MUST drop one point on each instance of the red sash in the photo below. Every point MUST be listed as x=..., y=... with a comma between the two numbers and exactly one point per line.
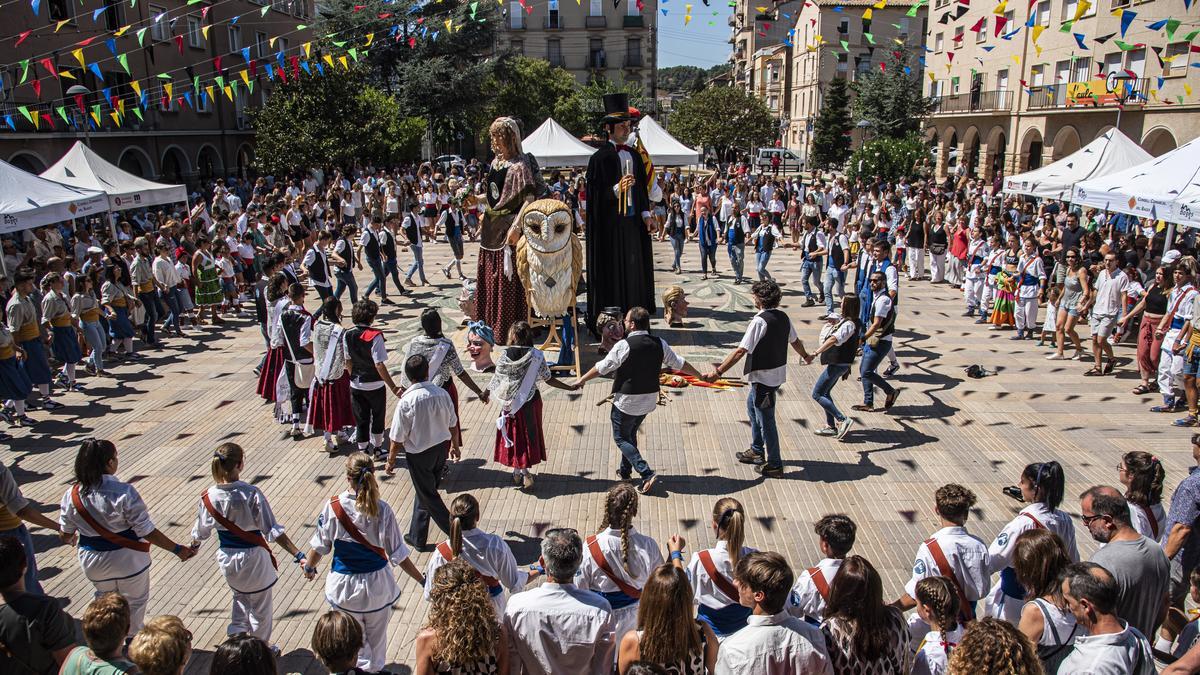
x=598, y=558
x=1036, y=523
x=818, y=579
x=112, y=537
x=448, y=555
x=939, y=558
x=1150, y=517
x=718, y=579
x=255, y=538
x=351, y=529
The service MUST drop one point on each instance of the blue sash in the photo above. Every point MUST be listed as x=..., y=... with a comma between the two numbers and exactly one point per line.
x=231, y=540
x=496, y=590
x=1029, y=280
x=351, y=557
x=993, y=270
x=88, y=543
x=724, y=620
x=1009, y=584
x=977, y=260
x=1177, y=323
x=617, y=599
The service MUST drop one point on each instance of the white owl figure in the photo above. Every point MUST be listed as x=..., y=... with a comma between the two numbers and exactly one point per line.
x=549, y=256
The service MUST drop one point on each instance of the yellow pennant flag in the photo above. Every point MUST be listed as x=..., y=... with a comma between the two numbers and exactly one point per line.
x=168, y=87
x=1082, y=9
x=328, y=60
x=868, y=14
x=1016, y=59
x=204, y=31
x=78, y=54
x=137, y=87
x=1187, y=89
x=1118, y=12
x=116, y=117
x=36, y=119
x=95, y=118
x=687, y=18
x=60, y=24
x=307, y=49
x=370, y=39
x=121, y=106
x=880, y=5
x=228, y=92
x=931, y=77
x=999, y=11
x=761, y=10
x=209, y=90
x=67, y=74
x=271, y=42
x=1038, y=48
x=245, y=77
x=342, y=60
x=121, y=31
x=1037, y=33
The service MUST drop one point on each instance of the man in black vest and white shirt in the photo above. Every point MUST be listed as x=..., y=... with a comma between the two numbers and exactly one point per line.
x=298, y=353
x=371, y=246
x=765, y=345
x=635, y=363
x=368, y=377
x=316, y=265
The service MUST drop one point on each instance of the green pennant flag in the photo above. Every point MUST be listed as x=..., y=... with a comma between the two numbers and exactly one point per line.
x=142, y=36
x=62, y=112
x=1124, y=46
x=264, y=11
x=220, y=80
x=138, y=111
x=25, y=111
x=1191, y=36
x=164, y=76
x=353, y=54
x=24, y=71
x=196, y=84
x=301, y=26
x=250, y=85
x=1172, y=25
x=233, y=84
x=96, y=110
x=870, y=38
x=123, y=59
x=194, y=2
x=1066, y=27
x=846, y=46
x=474, y=7
x=340, y=44
x=1180, y=99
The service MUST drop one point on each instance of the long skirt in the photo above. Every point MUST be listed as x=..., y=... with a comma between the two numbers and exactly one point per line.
x=329, y=405
x=1006, y=301
x=208, y=287
x=15, y=384
x=500, y=300
x=119, y=326
x=524, y=429
x=66, y=344
x=37, y=364
x=453, y=391
x=270, y=373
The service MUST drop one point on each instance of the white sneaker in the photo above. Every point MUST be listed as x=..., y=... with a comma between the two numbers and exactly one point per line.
x=843, y=427
x=827, y=431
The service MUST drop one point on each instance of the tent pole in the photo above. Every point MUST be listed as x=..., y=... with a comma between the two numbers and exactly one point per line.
x=112, y=223
x=1170, y=237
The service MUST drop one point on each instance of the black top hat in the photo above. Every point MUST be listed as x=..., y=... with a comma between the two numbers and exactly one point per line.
x=616, y=108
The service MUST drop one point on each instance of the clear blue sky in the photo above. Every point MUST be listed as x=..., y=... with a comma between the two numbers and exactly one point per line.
x=697, y=44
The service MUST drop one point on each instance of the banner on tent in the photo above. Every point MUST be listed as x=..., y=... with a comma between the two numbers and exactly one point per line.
x=1143, y=207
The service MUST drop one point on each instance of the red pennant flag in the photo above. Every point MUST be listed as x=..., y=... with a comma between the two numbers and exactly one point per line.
x=217, y=63
x=951, y=56
x=37, y=88
x=84, y=43
x=978, y=25
x=385, y=15
x=1000, y=23
x=412, y=43
x=359, y=8
x=420, y=20
x=295, y=67
x=1194, y=48
x=49, y=66
x=49, y=120
x=883, y=66
x=180, y=100
x=204, y=12
x=21, y=38
x=179, y=43
x=79, y=102
x=253, y=68
x=282, y=75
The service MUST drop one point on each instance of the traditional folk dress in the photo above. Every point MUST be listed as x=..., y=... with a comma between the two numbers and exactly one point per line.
x=520, y=443
x=273, y=365
x=1007, y=596
x=711, y=574
x=1004, y=309
x=492, y=559
x=208, y=282
x=57, y=314
x=23, y=324
x=329, y=396
x=500, y=296
x=444, y=366
x=603, y=571
x=15, y=384
x=118, y=296
x=242, y=518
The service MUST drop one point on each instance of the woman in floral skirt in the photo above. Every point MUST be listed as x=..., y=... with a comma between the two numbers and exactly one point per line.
x=208, y=280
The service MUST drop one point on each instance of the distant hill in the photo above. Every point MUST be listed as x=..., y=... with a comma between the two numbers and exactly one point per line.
x=687, y=78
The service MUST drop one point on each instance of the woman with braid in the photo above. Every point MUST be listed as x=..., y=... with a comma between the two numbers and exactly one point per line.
x=618, y=559
x=711, y=571
x=485, y=552
x=361, y=531
x=937, y=603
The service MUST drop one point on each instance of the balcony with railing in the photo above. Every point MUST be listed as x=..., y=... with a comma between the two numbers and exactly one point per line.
x=556, y=59
x=633, y=60
x=633, y=21
x=553, y=22
x=1090, y=94
x=595, y=22
x=998, y=100
x=597, y=60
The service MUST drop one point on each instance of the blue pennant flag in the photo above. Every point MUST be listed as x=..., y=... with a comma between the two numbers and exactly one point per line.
x=37, y=7
x=321, y=68
x=270, y=72
x=1158, y=25
x=246, y=54
x=8, y=118
x=96, y=71
x=96, y=14
x=1079, y=40
x=304, y=65
x=111, y=43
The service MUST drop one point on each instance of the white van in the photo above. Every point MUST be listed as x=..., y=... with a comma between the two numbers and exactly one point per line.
x=788, y=160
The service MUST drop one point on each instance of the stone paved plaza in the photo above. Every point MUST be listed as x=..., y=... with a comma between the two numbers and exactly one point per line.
x=168, y=412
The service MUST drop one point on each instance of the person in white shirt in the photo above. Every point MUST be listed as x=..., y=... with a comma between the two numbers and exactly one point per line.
x=167, y=279
x=1106, y=300
x=360, y=529
x=1110, y=646
x=711, y=571
x=115, y=529
x=1031, y=274
x=244, y=523
x=773, y=642
x=950, y=552
x=559, y=627
x=937, y=605
x=835, y=533
x=635, y=363
x=422, y=426
x=487, y=553
x=975, y=273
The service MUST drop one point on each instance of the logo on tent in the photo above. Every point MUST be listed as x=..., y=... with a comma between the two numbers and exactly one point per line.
x=1132, y=202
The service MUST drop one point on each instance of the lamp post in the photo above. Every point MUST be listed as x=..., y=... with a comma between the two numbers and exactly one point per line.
x=80, y=90
x=1119, y=83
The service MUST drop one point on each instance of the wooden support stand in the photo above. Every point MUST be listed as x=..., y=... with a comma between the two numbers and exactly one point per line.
x=553, y=342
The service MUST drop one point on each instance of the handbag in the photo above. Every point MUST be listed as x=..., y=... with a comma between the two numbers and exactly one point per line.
x=937, y=249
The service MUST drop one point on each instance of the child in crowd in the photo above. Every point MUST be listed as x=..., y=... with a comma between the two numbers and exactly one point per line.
x=937, y=605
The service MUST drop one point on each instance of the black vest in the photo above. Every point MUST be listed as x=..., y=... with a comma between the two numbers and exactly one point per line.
x=372, y=246
x=837, y=255
x=766, y=243
x=318, y=271
x=937, y=236
x=387, y=243
x=735, y=235
x=291, y=276
x=292, y=321
x=362, y=364
x=771, y=350
x=811, y=244
x=639, y=373
x=842, y=354
x=889, y=321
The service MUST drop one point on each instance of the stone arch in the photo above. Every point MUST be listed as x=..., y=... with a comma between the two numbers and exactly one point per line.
x=1032, y=146
x=997, y=152
x=971, y=150
x=135, y=160
x=245, y=161
x=175, y=167
x=1066, y=141
x=948, y=153
x=28, y=160
x=208, y=163
x=1159, y=141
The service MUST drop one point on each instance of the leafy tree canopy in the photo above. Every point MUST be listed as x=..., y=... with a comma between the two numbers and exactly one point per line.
x=723, y=118
x=888, y=158
x=580, y=112
x=891, y=99
x=527, y=89
x=831, y=139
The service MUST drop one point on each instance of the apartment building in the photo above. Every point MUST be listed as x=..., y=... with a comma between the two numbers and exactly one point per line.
x=187, y=136
x=1011, y=97
x=841, y=40
x=593, y=41
x=755, y=25
x=769, y=67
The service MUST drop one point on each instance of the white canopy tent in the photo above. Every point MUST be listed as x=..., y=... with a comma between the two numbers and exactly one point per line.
x=1164, y=188
x=28, y=201
x=83, y=168
x=554, y=146
x=1112, y=151
x=662, y=146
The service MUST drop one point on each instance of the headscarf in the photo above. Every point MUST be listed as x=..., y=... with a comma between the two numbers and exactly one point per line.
x=483, y=330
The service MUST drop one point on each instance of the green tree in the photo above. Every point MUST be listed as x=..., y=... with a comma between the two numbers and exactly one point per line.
x=527, y=89
x=831, y=132
x=723, y=118
x=332, y=118
x=891, y=99
x=888, y=158
x=580, y=112
x=681, y=78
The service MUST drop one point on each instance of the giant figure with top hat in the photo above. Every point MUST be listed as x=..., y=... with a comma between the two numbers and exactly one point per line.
x=620, y=266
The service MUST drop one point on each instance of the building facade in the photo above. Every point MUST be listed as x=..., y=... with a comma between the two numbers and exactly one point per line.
x=753, y=26
x=591, y=41
x=840, y=40
x=1014, y=91
x=124, y=79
